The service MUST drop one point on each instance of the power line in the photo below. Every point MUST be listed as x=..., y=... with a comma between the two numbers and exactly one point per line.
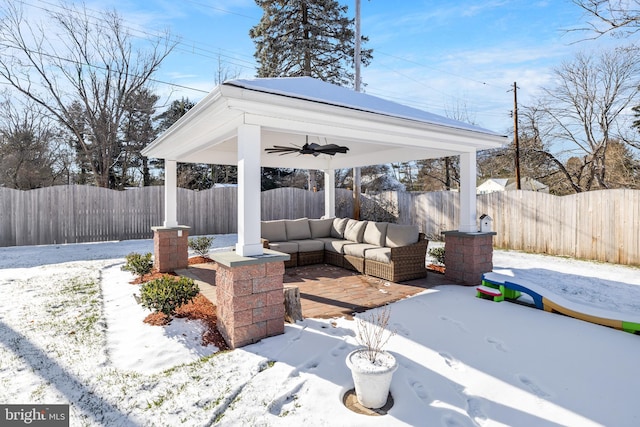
x=193, y=47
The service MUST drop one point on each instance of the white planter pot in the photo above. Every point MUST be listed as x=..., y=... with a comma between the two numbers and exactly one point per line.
x=372, y=381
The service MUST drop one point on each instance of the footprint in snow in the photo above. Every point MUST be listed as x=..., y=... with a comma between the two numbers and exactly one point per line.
x=460, y=325
x=497, y=344
x=313, y=364
x=450, y=421
x=474, y=410
x=450, y=361
x=339, y=349
x=419, y=390
x=298, y=335
x=532, y=386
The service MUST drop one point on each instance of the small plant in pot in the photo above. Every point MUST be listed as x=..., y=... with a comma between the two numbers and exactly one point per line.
x=371, y=367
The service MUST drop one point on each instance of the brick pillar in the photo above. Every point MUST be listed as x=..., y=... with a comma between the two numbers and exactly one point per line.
x=170, y=248
x=250, y=298
x=467, y=256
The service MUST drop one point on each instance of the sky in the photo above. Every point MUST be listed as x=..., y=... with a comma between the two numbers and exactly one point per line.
x=455, y=58
x=72, y=333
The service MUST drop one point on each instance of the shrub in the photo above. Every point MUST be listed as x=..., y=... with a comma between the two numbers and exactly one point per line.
x=372, y=332
x=437, y=254
x=138, y=264
x=166, y=294
x=201, y=245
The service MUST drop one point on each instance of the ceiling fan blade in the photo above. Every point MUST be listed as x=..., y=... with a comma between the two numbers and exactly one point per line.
x=281, y=149
x=313, y=148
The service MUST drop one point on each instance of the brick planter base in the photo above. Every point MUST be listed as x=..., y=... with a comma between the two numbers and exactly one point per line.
x=170, y=248
x=250, y=297
x=467, y=256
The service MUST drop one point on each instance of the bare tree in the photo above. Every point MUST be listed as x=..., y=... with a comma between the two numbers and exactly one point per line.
x=616, y=17
x=582, y=113
x=31, y=149
x=77, y=61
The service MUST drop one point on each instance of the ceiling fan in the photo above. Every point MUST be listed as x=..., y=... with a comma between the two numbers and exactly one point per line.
x=313, y=148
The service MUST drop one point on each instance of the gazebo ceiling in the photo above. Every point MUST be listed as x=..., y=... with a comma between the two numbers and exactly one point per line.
x=293, y=111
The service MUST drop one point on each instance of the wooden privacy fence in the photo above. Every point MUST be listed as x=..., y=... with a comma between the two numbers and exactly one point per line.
x=601, y=225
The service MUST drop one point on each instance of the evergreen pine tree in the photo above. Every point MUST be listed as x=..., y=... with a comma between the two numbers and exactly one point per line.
x=306, y=38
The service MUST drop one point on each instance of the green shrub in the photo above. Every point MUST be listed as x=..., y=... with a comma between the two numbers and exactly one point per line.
x=138, y=264
x=201, y=245
x=437, y=254
x=167, y=294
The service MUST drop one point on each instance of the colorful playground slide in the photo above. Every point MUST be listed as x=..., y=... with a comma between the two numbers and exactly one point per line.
x=499, y=287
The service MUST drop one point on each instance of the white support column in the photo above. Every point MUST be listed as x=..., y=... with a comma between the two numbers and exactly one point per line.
x=468, y=214
x=329, y=193
x=249, y=191
x=170, y=193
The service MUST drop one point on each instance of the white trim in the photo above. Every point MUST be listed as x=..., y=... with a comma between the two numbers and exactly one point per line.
x=468, y=209
x=249, y=243
x=329, y=193
x=170, y=193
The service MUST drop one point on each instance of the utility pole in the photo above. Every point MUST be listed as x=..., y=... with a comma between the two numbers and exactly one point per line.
x=356, y=60
x=515, y=134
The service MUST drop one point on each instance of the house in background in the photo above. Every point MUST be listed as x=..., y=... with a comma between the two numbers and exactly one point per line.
x=506, y=184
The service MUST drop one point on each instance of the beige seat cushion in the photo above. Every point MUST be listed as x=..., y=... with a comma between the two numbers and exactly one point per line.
x=286, y=247
x=355, y=230
x=297, y=229
x=401, y=235
x=273, y=231
x=358, y=249
x=379, y=254
x=336, y=245
x=309, y=245
x=375, y=233
x=320, y=227
x=338, y=226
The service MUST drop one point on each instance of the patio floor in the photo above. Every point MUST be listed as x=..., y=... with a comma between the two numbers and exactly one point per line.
x=327, y=291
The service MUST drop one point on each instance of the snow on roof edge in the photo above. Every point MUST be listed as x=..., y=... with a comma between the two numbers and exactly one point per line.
x=311, y=89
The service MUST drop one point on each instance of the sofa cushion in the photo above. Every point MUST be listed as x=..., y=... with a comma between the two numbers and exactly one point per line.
x=286, y=247
x=336, y=245
x=375, y=233
x=297, y=229
x=320, y=227
x=355, y=230
x=309, y=245
x=338, y=226
x=273, y=231
x=358, y=249
x=401, y=235
x=379, y=254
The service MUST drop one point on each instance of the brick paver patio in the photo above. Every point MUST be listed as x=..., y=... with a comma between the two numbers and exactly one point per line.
x=327, y=291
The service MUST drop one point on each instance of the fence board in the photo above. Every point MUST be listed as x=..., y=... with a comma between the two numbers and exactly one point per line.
x=601, y=225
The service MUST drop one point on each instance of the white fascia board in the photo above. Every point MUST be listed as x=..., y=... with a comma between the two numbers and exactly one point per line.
x=343, y=123
x=203, y=132
x=197, y=120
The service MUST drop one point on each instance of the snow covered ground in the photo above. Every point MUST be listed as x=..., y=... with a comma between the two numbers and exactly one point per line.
x=71, y=332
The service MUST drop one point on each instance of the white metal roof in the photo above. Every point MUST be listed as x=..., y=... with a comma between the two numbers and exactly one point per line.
x=291, y=111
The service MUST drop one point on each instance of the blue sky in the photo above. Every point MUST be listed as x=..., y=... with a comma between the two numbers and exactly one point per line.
x=440, y=56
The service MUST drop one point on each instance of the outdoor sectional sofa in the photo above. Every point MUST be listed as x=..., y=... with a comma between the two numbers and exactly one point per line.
x=390, y=251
